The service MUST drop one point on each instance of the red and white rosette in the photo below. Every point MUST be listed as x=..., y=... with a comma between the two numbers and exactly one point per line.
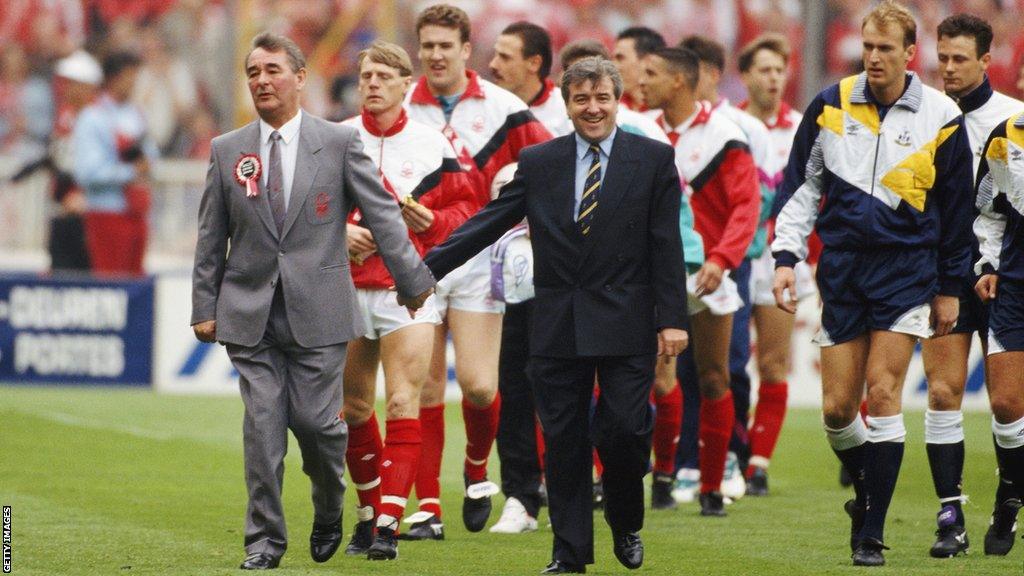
x=248, y=170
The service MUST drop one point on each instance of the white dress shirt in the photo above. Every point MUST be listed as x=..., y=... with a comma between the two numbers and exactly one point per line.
x=289, y=146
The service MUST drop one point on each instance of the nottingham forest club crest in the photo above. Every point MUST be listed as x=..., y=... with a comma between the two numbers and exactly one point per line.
x=248, y=170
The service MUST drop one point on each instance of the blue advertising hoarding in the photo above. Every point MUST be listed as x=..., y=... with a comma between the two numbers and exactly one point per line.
x=59, y=330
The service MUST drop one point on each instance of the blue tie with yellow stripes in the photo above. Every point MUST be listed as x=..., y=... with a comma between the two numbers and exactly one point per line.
x=588, y=203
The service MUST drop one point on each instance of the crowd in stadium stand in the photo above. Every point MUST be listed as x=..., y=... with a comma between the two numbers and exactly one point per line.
x=186, y=46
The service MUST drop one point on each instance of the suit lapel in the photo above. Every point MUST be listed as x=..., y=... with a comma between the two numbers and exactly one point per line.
x=305, y=171
x=614, y=185
x=250, y=144
x=564, y=186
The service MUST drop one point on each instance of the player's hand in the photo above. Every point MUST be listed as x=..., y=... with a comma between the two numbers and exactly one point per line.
x=672, y=341
x=785, y=281
x=986, y=287
x=945, y=310
x=417, y=216
x=206, y=331
x=415, y=303
x=709, y=278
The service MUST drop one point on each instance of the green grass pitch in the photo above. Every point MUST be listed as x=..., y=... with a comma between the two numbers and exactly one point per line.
x=131, y=482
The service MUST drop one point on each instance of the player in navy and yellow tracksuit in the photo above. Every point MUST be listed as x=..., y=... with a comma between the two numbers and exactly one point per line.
x=1000, y=231
x=888, y=189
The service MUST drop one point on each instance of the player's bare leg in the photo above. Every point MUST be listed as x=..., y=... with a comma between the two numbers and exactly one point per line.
x=774, y=342
x=476, y=337
x=945, y=366
x=711, y=335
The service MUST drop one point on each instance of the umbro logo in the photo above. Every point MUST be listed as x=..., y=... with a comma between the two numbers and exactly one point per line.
x=1016, y=155
x=852, y=128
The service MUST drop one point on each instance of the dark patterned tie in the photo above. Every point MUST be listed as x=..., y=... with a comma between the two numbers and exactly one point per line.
x=591, y=187
x=275, y=183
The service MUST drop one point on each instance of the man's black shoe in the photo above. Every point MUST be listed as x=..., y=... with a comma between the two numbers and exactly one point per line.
x=949, y=542
x=476, y=505
x=869, y=553
x=629, y=549
x=362, y=538
x=757, y=484
x=429, y=529
x=557, y=567
x=856, y=513
x=324, y=540
x=385, y=545
x=661, y=492
x=1002, y=529
x=260, y=562
x=951, y=538
x=712, y=504
x=598, y=495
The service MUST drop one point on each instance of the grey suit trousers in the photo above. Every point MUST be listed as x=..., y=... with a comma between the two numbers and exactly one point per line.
x=284, y=385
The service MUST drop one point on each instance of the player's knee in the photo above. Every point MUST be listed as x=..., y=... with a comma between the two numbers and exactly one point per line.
x=773, y=367
x=403, y=404
x=714, y=383
x=837, y=413
x=479, y=395
x=942, y=396
x=882, y=399
x=357, y=411
x=432, y=393
x=1006, y=407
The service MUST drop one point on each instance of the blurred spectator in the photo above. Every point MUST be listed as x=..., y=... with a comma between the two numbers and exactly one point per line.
x=112, y=160
x=77, y=79
x=165, y=90
x=26, y=106
x=45, y=29
x=344, y=98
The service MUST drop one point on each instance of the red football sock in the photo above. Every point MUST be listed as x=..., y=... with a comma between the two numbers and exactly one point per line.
x=667, y=422
x=428, y=476
x=717, y=418
x=598, y=466
x=481, y=428
x=768, y=418
x=363, y=457
x=402, y=442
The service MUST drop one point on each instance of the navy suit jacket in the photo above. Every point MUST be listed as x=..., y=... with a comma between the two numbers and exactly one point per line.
x=607, y=293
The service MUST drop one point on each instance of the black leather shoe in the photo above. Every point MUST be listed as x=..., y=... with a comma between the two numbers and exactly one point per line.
x=712, y=504
x=385, y=545
x=260, y=562
x=629, y=549
x=362, y=538
x=324, y=540
x=476, y=506
x=557, y=567
x=869, y=553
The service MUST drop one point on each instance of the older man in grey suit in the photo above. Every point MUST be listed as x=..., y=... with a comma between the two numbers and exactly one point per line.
x=271, y=282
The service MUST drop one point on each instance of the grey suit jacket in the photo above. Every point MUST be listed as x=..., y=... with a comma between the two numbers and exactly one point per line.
x=240, y=258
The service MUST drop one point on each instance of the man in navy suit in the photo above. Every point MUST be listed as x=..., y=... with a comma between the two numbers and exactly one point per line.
x=603, y=209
